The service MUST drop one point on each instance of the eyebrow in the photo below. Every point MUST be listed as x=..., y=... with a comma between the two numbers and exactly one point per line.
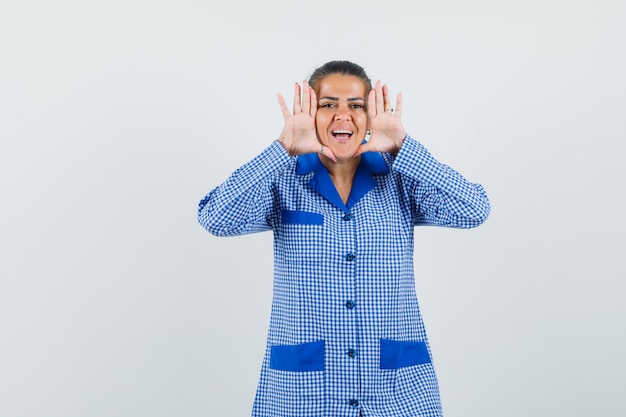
x=337, y=99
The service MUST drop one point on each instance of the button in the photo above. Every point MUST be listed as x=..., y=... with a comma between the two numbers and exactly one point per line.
x=353, y=403
x=352, y=353
x=350, y=304
x=347, y=217
x=350, y=257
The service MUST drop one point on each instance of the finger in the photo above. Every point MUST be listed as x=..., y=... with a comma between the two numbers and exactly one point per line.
x=283, y=106
x=365, y=147
x=306, y=97
x=297, y=106
x=386, y=101
x=398, y=111
x=327, y=152
x=371, y=104
x=313, y=109
x=379, y=98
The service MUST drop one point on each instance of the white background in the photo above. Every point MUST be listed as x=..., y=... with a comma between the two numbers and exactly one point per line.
x=117, y=117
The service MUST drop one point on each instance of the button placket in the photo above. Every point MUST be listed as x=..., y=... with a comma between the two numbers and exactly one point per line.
x=349, y=304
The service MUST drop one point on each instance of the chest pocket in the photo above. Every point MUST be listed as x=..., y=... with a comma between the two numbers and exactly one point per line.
x=301, y=217
x=301, y=237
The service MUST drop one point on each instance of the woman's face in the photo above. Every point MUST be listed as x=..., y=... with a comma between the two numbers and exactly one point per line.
x=341, y=118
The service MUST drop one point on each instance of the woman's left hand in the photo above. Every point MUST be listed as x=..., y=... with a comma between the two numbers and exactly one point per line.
x=386, y=130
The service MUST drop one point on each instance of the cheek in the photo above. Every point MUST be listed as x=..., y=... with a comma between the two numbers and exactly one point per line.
x=361, y=120
x=322, y=121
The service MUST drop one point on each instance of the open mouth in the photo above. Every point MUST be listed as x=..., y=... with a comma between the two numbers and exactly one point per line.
x=341, y=134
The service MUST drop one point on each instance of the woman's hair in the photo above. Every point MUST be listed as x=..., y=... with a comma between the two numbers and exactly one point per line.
x=342, y=68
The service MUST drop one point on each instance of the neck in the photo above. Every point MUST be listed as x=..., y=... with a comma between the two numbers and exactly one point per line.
x=342, y=174
x=342, y=170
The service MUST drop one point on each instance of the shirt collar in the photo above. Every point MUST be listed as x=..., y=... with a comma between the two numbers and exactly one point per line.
x=371, y=163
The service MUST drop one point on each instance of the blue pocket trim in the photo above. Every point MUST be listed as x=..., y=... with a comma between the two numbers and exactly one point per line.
x=301, y=217
x=395, y=354
x=298, y=358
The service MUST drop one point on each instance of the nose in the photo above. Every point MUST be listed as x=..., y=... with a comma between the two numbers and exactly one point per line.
x=343, y=113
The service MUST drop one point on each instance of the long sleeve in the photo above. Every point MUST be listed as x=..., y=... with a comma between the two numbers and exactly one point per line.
x=441, y=196
x=245, y=202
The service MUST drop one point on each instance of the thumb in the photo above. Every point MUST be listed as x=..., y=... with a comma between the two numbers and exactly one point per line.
x=326, y=151
x=365, y=147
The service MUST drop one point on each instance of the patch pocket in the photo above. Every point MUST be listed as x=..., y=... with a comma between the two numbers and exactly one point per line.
x=301, y=217
x=395, y=354
x=304, y=357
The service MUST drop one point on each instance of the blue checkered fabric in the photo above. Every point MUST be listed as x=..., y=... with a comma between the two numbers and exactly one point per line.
x=346, y=335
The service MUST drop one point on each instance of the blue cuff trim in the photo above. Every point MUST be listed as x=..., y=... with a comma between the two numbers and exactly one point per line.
x=298, y=358
x=301, y=217
x=395, y=354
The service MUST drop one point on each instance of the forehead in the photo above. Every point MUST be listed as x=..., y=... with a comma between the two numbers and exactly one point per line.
x=341, y=86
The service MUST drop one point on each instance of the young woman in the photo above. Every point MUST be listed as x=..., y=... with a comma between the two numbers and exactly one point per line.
x=342, y=189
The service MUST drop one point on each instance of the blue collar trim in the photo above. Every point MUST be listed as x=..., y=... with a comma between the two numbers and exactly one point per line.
x=371, y=163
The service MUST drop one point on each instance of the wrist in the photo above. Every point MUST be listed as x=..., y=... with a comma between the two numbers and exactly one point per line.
x=285, y=146
x=399, y=141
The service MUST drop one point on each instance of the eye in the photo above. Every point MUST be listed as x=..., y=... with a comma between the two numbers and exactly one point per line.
x=358, y=106
x=327, y=105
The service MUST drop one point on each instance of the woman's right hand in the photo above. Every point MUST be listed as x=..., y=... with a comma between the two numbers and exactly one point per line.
x=299, y=135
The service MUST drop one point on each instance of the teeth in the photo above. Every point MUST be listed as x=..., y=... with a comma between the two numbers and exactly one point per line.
x=342, y=131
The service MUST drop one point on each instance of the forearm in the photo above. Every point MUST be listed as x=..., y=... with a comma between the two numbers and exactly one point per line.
x=442, y=195
x=244, y=202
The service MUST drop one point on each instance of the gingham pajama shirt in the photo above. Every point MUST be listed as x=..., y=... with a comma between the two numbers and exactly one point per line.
x=346, y=335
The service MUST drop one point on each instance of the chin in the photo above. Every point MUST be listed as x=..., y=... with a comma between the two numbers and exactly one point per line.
x=343, y=155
